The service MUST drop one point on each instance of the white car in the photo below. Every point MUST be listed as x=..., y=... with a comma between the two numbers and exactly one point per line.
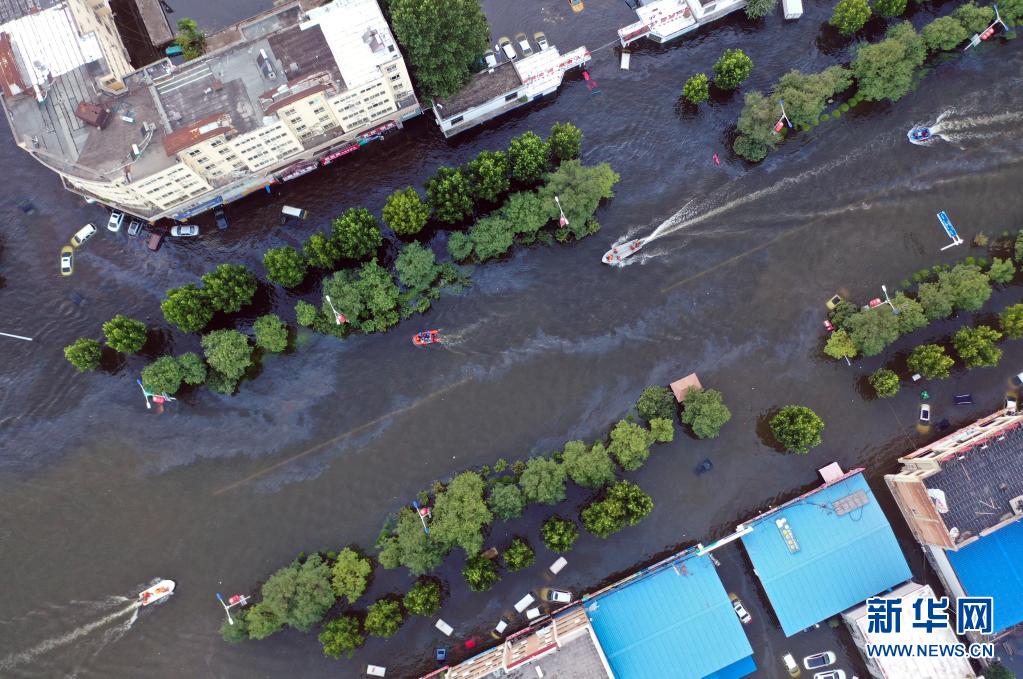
x=1011, y=404
x=182, y=230
x=523, y=44
x=830, y=674
x=559, y=595
x=83, y=234
x=541, y=40
x=925, y=413
x=115, y=221
x=819, y=660
x=744, y=617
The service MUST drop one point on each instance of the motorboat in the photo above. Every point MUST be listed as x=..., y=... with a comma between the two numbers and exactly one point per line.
x=919, y=135
x=421, y=339
x=161, y=590
x=618, y=253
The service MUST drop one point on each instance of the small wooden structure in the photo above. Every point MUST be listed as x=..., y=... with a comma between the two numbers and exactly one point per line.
x=680, y=387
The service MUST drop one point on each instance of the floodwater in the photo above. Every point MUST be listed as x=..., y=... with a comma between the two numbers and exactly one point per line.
x=99, y=495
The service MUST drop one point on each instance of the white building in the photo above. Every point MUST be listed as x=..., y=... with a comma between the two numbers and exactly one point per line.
x=273, y=97
x=907, y=666
x=665, y=20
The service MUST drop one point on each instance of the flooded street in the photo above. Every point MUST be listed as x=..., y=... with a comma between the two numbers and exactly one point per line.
x=99, y=495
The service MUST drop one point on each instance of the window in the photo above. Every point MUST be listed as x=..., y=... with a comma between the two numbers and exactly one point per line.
x=513, y=95
x=396, y=77
x=455, y=121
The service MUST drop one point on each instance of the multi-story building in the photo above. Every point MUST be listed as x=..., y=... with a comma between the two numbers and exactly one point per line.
x=273, y=97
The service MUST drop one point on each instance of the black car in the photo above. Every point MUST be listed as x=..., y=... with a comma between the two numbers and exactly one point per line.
x=218, y=214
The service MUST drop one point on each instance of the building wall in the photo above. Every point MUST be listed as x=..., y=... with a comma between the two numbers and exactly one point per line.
x=174, y=185
x=116, y=193
x=96, y=17
x=918, y=510
x=357, y=109
x=266, y=146
x=216, y=159
x=309, y=117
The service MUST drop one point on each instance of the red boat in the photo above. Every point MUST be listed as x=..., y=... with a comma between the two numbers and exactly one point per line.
x=426, y=337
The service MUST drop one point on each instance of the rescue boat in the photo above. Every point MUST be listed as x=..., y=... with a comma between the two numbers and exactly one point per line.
x=618, y=253
x=161, y=590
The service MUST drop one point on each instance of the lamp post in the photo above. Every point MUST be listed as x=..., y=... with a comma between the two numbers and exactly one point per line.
x=888, y=300
x=339, y=318
x=236, y=600
x=564, y=220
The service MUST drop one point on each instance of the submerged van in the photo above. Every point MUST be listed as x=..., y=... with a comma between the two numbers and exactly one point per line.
x=297, y=212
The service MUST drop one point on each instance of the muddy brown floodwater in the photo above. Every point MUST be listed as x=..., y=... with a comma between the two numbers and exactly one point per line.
x=99, y=495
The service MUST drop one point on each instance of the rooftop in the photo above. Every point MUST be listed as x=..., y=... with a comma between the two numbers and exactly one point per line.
x=578, y=658
x=14, y=9
x=483, y=87
x=993, y=566
x=155, y=20
x=824, y=552
x=979, y=481
x=912, y=665
x=674, y=615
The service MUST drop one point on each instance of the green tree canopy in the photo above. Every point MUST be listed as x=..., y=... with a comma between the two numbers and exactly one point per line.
x=656, y=402
x=125, y=334
x=705, y=411
x=944, y=33
x=84, y=354
x=405, y=212
x=850, y=16
x=624, y=505
x=1002, y=271
x=228, y=352
x=271, y=333
x=842, y=313
x=731, y=69
x=1011, y=320
x=409, y=546
x=931, y=361
x=460, y=514
x=528, y=156
x=565, y=141
x=489, y=175
x=237, y=632
x=321, y=252
x=543, y=481
x=697, y=89
x=229, y=287
x=350, y=574
x=757, y=9
x=356, y=233
x=967, y=286
x=1012, y=14
x=590, y=467
x=559, y=535
x=384, y=618
x=300, y=594
x=756, y=127
x=885, y=382
x=998, y=671
x=193, y=369
x=806, y=94
x=187, y=307
x=935, y=300
x=890, y=8
x=874, y=329
x=797, y=428
x=506, y=501
x=285, y=266
x=417, y=267
x=840, y=345
x=423, y=598
x=630, y=445
x=911, y=314
x=443, y=41
x=976, y=346
x=262, y=621
x=519, y=555
x=449, y=195
x=369, y=297
x=163, y=376
x=341, y=636
x=662, y=430
x=190, y=39
x=580, y=189
x=480, y=573
x=973, y=18
x=887, y=69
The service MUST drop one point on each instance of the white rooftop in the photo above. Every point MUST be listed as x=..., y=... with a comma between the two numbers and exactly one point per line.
x=544, y=69
x=48, y=44
x=666, y=17
x=358, y=37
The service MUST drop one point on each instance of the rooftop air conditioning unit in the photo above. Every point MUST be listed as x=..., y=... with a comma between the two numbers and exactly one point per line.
x=1017, y=505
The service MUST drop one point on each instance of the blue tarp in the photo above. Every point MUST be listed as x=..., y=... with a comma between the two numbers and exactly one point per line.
x=993, y=566
x=676, y=622
x=839, y=560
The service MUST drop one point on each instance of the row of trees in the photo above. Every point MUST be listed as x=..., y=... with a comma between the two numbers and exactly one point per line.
x=730, y=70
x=704, y=410
x=124, y=335
x=882, y=70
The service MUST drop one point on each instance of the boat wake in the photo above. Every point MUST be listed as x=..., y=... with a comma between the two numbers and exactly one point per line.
x=955, y=128
x=130, y=611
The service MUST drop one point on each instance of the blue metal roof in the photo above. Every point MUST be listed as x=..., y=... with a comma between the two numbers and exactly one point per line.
x=828, y=562
x=993, y=566
x=675, y=621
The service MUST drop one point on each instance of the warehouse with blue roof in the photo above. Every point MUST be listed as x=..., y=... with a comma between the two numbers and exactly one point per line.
x=673, y=619
x=824, y=552
x=993, y=566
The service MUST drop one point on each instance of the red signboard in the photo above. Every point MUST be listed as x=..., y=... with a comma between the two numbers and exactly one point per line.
x=296, y=171
x=988, y=33
x=327, y=159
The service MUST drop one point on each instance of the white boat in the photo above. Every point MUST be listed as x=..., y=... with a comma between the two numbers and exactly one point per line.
x=618, y=253
x=161, y=590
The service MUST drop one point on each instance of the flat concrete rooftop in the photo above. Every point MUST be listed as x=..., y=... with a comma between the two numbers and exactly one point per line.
x=482, y=88
x=577, y=659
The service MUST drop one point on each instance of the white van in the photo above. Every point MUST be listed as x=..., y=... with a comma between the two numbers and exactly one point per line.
x=297, y=212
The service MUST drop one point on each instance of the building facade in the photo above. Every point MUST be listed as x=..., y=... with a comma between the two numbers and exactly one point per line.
x=273, y=97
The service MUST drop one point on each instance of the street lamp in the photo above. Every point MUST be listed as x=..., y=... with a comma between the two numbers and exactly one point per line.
x=338, y=316
x=564, y=220
x=236, y=600
x=888, y=300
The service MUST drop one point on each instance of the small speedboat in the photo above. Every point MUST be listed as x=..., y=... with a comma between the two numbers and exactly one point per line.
x=421, y=339
x=919, y=135
x=161, y=590
x=618, y=253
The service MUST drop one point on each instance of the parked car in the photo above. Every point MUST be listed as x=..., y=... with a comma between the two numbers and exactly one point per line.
x=541, y=41
x=523, y=42
x=490, y=58
x=505, y=46
x=833, y=302
x=703, y=467
x=925, y=413
x=155, y=241
x=499, y=629
x=115, y=221
x=297, y=212
x=558, y=595
x=790, y=665
x=876, y=302
x=221, y=219
x=1011, y=404
x=576, y=5
x=830, y=674
x=829, y=326
x=744, y=617
x=819, y=660
x=183, y=230
x=134, y=227
x=83, y=234
x=26, y=206
x=67, y=260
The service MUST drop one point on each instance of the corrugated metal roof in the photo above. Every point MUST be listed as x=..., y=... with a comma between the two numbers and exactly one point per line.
x=993, y=566
x=674, y=622
x=824, y=562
